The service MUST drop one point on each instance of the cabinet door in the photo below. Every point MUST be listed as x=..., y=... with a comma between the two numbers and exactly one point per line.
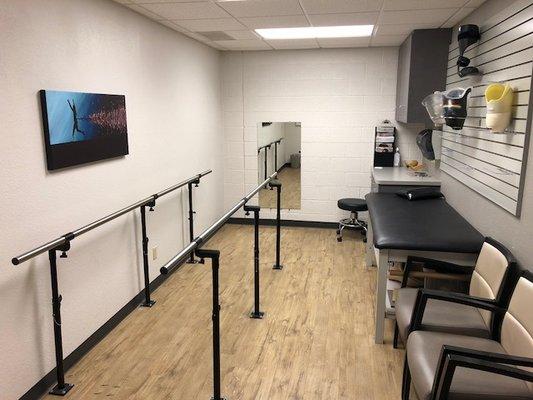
x=402, y=86
x=429, y=59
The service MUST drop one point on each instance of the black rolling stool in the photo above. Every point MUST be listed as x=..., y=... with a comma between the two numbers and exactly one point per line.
x=354, y=206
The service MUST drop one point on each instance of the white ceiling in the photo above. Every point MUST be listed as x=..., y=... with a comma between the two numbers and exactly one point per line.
x=393, y=19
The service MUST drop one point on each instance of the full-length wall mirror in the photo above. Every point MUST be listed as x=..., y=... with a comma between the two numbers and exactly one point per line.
x=279, y=149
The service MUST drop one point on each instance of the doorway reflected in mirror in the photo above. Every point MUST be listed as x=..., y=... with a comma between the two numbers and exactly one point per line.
x=279, y=149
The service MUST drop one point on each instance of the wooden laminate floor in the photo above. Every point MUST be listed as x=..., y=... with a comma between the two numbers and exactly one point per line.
x=291, y=191
x=316, y=341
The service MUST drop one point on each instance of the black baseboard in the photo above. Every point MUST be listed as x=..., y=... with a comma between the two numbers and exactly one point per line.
x=286, y=165
x=43, y=386
x=285, y=222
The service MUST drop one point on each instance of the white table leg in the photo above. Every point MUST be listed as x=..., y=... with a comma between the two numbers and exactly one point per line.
x=369, y=248
x=381, y=292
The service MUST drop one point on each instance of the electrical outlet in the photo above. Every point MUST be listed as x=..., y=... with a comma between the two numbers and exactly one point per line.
x=154, y=253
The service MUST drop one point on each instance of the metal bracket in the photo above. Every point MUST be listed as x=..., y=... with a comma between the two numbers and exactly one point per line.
x=63, y=248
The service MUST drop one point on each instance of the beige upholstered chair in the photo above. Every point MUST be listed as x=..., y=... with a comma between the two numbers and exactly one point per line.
x=489, y=282
x=447, y=366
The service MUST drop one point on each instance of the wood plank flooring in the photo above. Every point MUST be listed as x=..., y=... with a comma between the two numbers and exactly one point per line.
x=291, y=192
x=316, y=341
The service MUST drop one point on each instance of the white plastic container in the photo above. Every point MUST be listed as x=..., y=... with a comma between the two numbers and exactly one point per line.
x=434, y=106
x=397, y=157
x=499, y=98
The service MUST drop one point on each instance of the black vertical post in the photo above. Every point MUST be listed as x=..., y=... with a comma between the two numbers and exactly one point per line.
x=192, y=260
x=256, y=312
x=146, y=265
x=214, y=255
x=277, y=185
x=276, y=156
x=62, y=387
x=266, y=162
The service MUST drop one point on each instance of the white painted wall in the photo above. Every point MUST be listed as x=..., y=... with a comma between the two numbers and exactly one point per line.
x=291, y=144
x=338, y=95
x=293, y=140
x=172, y=89
x=265, y=135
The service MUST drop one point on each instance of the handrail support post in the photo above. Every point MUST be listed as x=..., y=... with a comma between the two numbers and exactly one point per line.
x=62, y=387
x=277, y=185
x=276, y=156
x=214, y=255
x=192, y=259
x=148, y=302
x=266, y=162
x=256, y=312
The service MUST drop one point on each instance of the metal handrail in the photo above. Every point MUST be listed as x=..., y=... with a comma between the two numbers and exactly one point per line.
x=63, y=239
x=179, y=258
x=270, y=144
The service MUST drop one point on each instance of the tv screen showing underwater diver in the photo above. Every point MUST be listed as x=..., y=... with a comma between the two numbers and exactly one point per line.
x=83, y=127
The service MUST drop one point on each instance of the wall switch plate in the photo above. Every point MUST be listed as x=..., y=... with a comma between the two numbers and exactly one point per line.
x=154, y=253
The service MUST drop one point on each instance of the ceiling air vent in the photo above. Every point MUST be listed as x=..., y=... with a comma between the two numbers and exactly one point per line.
x=216, y=35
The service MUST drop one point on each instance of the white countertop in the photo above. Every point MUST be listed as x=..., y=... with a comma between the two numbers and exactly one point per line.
x=404, y=176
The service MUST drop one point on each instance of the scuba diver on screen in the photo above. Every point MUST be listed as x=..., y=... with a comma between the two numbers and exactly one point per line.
x=75, y=127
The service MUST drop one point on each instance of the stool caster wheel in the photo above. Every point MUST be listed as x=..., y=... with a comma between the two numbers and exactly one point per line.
x=339, y=239
x=364, y=239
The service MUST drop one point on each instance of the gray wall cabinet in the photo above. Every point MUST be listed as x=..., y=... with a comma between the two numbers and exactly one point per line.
x=421, y=70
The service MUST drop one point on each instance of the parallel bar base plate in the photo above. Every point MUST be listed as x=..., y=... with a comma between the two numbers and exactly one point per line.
x=255, y=315
x=276, y=266
x=57, y=391
x=149, y=304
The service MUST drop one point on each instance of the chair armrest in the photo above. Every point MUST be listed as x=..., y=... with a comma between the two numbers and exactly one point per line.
x=425, y=294
x=488, y=356
x=437, y=265
x=452, y=357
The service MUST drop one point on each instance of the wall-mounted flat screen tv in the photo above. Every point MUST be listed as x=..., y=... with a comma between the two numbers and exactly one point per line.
x=83, y=127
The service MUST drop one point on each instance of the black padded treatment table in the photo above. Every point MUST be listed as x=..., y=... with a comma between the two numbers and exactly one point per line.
x=427, y=228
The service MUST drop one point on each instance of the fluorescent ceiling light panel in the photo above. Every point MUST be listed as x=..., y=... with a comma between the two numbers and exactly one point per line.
x=316, y=32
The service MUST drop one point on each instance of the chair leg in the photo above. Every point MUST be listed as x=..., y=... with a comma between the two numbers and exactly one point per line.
x=339, y=233
x=406, y=380
x=396, y=333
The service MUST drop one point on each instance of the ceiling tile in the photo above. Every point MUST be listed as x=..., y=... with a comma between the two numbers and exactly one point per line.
x=197, y=36
x=456, y=18
x=400, y=29
x=286, y=21
x=172, y=25
x=422, y=4
x=244, y=44
x=344, y=42
x=388, y=40
x=344, y=19
x=475, y=3
x=219, y=24
x=195, y=10
x=261, y=8
x=340, y=6
x=294, y=44
x=243, y=34
x=166, y=1
x=216, y=46
x=144, y=11
x=436, y=17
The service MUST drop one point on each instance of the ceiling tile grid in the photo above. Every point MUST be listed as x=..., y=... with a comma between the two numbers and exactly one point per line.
x=234, y=21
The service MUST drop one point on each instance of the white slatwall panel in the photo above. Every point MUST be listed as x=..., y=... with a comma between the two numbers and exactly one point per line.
x=490, y=163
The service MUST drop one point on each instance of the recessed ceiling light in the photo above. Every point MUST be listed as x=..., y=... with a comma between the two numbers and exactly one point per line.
x=316, y=32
